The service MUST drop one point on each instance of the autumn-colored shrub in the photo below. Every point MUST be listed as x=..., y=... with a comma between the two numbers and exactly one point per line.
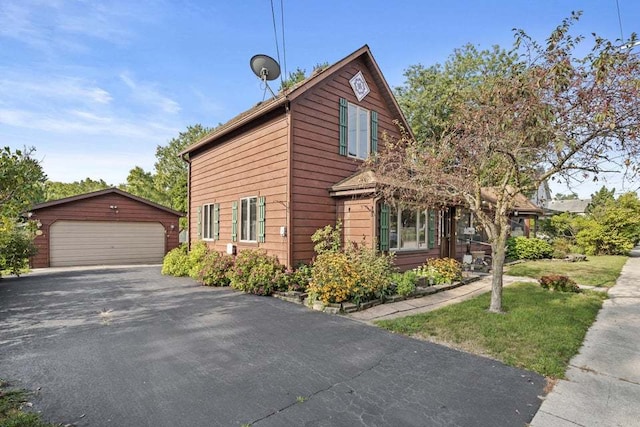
x=333, y=278
x=214, y=268
x=357, y=274
x=297, y=279
x=557, y=282
x=256, y=272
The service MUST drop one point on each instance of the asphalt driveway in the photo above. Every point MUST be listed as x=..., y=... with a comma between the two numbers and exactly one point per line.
x=129, y=347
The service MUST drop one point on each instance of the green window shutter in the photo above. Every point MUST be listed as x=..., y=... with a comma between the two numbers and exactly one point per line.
x=199, y=226
x=374, y=132
x=432, y=228
x=234, y=222
x=216, y=221
x=344, y=119
x=261, y=219
x=384, y=227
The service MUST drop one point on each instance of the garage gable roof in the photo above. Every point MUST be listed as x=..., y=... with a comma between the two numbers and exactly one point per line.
x=98, y=193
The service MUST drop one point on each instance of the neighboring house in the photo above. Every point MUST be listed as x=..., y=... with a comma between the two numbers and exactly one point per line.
x=574, y=206
x=103, y=227
x=273, y=175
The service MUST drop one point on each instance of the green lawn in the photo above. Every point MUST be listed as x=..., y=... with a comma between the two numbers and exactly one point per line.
x=540, y=331
x=11, y=414
x=596, y=271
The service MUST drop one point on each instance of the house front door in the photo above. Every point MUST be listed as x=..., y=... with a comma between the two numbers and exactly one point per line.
x=448, y=234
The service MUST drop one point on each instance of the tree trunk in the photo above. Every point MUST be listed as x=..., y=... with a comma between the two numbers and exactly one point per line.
x=498, y=250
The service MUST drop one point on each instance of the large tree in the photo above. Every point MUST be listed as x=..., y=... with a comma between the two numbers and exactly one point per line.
x=55, y=190
x=21, y=181
x=542, y=113
x=171, y=170
x=167, y=184
x=21, y=185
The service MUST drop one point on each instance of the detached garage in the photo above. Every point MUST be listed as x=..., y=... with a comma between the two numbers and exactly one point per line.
x=101, y=228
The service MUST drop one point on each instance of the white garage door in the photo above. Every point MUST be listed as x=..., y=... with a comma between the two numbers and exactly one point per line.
x=74, y=243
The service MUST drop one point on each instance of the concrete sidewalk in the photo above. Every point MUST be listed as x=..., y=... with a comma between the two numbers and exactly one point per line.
x=603, y=380
x=433, y=301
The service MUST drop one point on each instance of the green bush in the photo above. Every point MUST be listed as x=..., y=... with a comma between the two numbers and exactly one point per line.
x=215, y=266
x=528, y=248
x=176, y=262
x=296, y=280
x=374, y=271
x=327, y=239
x=600, y=240
x=197, y=254
x=256, y=272
x=440, y=270
x=16, y=247
x=405, y=282
x=557, y=282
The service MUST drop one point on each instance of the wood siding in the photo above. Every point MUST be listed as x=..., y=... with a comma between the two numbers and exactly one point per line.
x=316, y=163
x=247, y=164
x=98, y=209
x=358, y=220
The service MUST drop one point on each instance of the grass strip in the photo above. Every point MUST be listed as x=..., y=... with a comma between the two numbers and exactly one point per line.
x=540, y=330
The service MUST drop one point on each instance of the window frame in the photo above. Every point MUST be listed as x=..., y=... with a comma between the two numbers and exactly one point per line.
x=395, y=220
x=357, y=141
x=207, y=221
x=247, y=216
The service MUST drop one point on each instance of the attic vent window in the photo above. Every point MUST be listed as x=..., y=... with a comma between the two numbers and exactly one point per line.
x=359, y=86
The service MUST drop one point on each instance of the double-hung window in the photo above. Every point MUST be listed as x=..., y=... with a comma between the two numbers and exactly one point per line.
x=358, y=130
x=248, y=219
x=207, y=222
x=358, y=139
x=210, y=221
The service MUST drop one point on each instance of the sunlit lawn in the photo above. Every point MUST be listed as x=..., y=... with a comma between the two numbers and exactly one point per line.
x=596, y=271
x=540, y=331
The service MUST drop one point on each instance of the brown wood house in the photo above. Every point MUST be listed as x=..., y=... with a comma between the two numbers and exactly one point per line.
x=103, y=227
x=270, y=177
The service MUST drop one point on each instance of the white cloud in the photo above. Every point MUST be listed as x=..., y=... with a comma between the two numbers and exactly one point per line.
x=85, y=123
x=147, y=94
x=68, y=25
x=26, y=88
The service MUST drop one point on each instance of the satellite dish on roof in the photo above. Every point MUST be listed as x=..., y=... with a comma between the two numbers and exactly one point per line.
x=265, y=67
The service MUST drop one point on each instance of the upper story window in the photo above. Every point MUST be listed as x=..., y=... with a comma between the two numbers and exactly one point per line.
x=359, y=141
x=358, y=130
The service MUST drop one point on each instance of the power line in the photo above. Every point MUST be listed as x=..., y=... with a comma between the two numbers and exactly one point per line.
x=620, y=21
x=275, y=33
x=284, y=50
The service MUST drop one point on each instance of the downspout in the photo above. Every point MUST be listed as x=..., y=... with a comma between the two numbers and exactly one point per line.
x=374, y=225
x=185, y=158
x=289, y=190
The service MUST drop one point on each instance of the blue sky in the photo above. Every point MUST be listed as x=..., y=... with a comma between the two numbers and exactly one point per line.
x=95, y=86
